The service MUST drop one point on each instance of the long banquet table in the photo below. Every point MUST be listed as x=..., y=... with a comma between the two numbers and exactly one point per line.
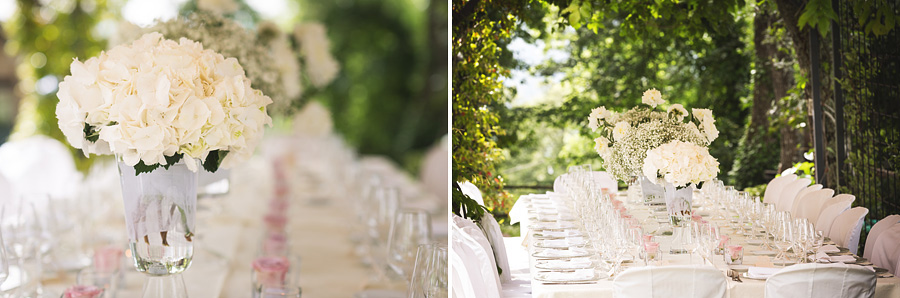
x=229, y=237
x=522, y=211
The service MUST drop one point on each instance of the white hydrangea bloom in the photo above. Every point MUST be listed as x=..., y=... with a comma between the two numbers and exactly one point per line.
x=156, y=98
x=680, y=163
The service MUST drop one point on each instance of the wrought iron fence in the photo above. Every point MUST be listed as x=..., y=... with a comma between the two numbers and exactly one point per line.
x=867, y=115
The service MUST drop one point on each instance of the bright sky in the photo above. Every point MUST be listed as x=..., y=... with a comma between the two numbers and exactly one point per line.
x=531, y=89
x=144, y=12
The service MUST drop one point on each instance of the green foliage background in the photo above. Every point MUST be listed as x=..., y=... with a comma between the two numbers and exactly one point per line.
x=390, y=97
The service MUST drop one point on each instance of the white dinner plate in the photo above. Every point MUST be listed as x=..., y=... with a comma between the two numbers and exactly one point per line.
x=755, y=242
x=764, y=252
x=739, y=268
x=550, y=277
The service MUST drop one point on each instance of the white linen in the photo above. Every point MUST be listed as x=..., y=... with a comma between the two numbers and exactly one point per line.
x=666, y=281
x=472, y=191
x=846, y=228
x=886, y=252
x=761, y=272
x=789, y=194
x=773, y=189
x=520, y=285
x=882, y=225
x=576, y=275
x=495, y=237
x=824, y=257
x=829, y=249
x=795, y=209
x=475, y=252
x=829, y=213
x=822, y=281
x=811, y=204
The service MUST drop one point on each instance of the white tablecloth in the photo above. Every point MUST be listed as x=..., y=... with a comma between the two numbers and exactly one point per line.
x=885, y=287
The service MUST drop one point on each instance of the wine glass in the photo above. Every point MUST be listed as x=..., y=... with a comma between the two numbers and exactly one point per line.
x=382, y=205
x=411, y=228
x=416, y=287
x=784, y=236
x=4, y=260
x=436, y=281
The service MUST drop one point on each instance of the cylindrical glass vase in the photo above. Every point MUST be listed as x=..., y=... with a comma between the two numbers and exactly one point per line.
x=159, y=217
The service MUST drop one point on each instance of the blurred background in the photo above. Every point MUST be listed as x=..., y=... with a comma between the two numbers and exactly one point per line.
x=389, y=96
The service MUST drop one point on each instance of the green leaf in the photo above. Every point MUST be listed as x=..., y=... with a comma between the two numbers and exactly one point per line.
x=214, y=160
x=171, y=160
x=141, y=167
x=90, y=133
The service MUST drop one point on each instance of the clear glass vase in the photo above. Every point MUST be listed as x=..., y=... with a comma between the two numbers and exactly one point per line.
x=160, y=208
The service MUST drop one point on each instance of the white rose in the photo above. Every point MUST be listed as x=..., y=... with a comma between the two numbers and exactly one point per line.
x=314, y=44
x=678, y=111
x=702, y=114
x=652, y=98
x=710, y=130
x=601, y=145
x=620, y=130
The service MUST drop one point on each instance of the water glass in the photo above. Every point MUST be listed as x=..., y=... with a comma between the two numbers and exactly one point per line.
x=734, y=255
x=280, y=291
x=436, y=281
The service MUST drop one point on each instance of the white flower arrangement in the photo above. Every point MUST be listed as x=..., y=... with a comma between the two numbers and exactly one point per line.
x=627, y=136
x=680, y=163
x=320, y=65
x=157, y=101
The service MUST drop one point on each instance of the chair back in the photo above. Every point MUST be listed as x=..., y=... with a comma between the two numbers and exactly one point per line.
x=879, y=227
x=478, y=271
x=821, y=281
x=472, y=191
x=789, y=193
x=773, y=189
x=886, y=251
x=830, y=210
x=605, y=180
x=846, y=228
x=801, y=195
x=492, y=230
x=658, y=282
x=811, y=204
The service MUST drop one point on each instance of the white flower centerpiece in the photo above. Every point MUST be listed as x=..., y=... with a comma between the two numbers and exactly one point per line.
x=668, y=147
x=162, y=107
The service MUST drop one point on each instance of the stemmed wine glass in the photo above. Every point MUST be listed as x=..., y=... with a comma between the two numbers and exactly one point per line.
x=784, y=236
x=411, y=228
x=4, y=259
x=383, y=204
x=436, y=281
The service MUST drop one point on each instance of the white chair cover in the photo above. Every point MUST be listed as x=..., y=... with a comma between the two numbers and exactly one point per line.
x=472, y=191
x=39, y=165
x=605, y=180
x=882, y=225
x=434, y=173
x=559, y=184
x=830, y=210
x=6, y=190
x=886, y=251
x=846, y=228
x=811, y=204
x=474, y=252
x=789, y=193
x=821, y=281
x=794, y=209
x=666, y=281
x=492, y=230
x=773, y=189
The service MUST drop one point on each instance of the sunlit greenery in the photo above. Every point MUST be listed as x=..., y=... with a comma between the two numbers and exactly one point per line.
x=390, y=97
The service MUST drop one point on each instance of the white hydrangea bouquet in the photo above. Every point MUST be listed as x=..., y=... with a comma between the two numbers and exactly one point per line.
x=668, y=147
x=627, y=137
x=157, y=101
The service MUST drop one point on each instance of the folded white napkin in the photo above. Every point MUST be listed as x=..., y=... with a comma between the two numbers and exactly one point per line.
x=574, y=241
x=829, y=249
x=579, y=274
x=761, y=272
x=563, y=252
x=574, y=263
x=558, y=234
x=824, y=257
